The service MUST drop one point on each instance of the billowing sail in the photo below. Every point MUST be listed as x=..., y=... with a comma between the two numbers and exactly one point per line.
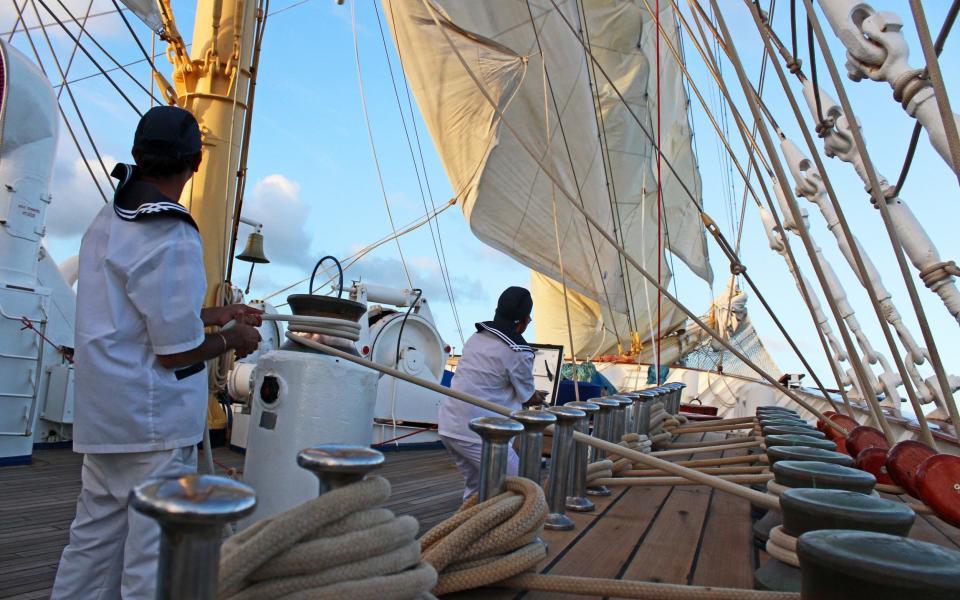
x=622, y=37
x=505, y=195
x=562, y=107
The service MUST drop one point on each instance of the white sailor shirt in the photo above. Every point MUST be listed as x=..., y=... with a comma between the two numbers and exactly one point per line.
x=139, y=294
x=493, y=368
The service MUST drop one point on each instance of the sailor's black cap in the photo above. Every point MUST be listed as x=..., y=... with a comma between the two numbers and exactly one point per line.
x=168, y=131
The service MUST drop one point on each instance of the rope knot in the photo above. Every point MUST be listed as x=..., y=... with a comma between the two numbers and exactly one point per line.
x=794, y=65
x=937, y=272
x=908, y=85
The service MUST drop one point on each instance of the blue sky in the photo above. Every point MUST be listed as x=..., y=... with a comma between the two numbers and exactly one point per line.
x=312, y=178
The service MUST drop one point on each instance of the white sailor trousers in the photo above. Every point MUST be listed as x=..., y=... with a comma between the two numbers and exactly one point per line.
x=113, y=549
x=466, y=455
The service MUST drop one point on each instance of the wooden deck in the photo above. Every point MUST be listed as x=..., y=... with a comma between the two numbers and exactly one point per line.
x=684, y=534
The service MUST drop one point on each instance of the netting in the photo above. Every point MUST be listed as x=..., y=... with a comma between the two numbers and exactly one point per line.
x=746, y=340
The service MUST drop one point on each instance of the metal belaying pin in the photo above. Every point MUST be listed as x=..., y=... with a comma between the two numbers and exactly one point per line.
x=560, y=459
x=577, y=500
x=192, y=511
x=339, y=465
x=531, y=440
x=495, y=434
x=602, y=423
x=619, y=418
x=645, y=400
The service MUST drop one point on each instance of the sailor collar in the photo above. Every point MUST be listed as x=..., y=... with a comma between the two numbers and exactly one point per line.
x=505, y=331
x=135, y=200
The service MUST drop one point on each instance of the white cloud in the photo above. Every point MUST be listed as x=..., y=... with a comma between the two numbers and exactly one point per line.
x=425, y=274
x=75, y=197
x=276, y=203
x=101, y=25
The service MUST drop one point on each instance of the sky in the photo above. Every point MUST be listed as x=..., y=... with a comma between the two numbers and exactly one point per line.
x=313, y=181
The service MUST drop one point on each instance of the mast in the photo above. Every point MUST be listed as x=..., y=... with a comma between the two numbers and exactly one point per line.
x=212, y=82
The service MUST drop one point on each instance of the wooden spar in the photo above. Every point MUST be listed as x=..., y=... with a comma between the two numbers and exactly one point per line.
x=753, y=496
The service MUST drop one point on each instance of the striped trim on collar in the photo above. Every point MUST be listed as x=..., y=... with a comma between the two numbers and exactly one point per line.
x=513, y=345
x=160, y=206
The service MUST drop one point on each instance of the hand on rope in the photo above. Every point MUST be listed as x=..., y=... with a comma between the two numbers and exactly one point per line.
x=485, y=543
x=339, y=545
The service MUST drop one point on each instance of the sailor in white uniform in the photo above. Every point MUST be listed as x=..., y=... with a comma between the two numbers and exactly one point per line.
x=141, y=384
x=497, y=365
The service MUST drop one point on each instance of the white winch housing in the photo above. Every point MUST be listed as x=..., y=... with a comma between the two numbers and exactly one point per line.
x=402, y=408
x=301, y=399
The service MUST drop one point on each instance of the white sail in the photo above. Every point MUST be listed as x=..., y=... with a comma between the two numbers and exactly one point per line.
x=507, y=198
x=622, y=37
x=147, y=12
x=505, y=195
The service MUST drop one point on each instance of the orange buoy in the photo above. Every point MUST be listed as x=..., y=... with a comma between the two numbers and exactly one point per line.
x=938, y=481
x=902, y=462
x=863, y=437
x=843, y=421
x=874, y=461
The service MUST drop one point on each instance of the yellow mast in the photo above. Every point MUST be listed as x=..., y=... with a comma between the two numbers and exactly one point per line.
x=212, y=82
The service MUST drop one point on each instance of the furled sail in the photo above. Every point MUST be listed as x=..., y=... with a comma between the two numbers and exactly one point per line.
x=506, y=196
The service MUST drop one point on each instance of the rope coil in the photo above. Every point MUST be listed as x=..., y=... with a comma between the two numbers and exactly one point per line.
x=341, y=544
x=783, y=547
x=488, y=542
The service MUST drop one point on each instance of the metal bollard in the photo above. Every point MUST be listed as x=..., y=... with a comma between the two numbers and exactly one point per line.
x=630, y=420
x=339, y=465
x=560, y=458
x=495, y=434
x=679, y=386
x=192, y=511
x=577, y=500
x=534, y=424
x=602, y=422
x=619, y=418
x=645, y=399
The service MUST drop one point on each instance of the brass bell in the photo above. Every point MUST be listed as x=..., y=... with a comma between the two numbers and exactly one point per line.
x=253, y=253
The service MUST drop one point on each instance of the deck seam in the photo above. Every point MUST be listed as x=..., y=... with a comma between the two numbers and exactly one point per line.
x=703, y=532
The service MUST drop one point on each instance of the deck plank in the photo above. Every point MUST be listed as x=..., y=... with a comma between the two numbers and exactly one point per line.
x=727, y=532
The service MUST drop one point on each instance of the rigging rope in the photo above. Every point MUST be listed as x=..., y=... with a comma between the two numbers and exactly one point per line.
x=76, y=108
x=356, y=256
x=373, y=148
x=593, y=223
x=573, y=171
x=659, y=204
x=917, y=127
x=441, y=259
x=608, y=172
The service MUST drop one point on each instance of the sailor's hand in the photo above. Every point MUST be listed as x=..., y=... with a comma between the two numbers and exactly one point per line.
x=241, y=313
x=244, y=339
x=539, y=397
